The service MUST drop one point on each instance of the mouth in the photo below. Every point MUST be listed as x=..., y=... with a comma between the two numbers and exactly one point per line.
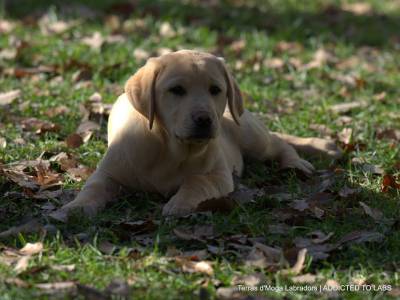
x=194, y=139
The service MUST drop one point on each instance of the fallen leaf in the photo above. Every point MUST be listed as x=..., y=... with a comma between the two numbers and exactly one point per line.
x=389, y=181
x=6, y=26
x=358, y=237
x=242, y=194
x=8, y=97
x=346, y=192
x=140, y=55
x=39, y=126
x=264, y=256
x=57, y=111
x=345, y=135
x=299, y=265
x=166, y=30
x=345, y=107
x=56, y=286
x=138, y=227
x=63, y=268
x=32, y=248
x=74, y=140
x=319, y=237
x=300, y=205
x=95, y=41
x=22, y=264
x=372, y=169
x=195, y=267
x=106, y=247
x=17, y=282
x=374, y=213
x=321, y=57
x=86, y=130
x=249, y=280
x=305, y=278
x=80, y=173
x=3, y=142
x=358, y=8
x=119, y=288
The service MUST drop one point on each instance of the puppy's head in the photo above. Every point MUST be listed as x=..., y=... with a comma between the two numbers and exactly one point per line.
x=186, y=92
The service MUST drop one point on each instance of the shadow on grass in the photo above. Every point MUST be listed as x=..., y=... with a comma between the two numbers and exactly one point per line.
x=328, y=22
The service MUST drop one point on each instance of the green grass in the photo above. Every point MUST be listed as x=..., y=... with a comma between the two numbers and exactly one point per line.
x=373, y=38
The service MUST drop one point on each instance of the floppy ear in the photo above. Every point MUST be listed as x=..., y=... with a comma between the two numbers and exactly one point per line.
x=235, y=99
x=141, y=89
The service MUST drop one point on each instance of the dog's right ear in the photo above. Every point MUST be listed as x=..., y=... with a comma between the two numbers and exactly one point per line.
x=141, y=89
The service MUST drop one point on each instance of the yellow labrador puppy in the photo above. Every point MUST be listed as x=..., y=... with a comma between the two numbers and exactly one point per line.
x=180, y=129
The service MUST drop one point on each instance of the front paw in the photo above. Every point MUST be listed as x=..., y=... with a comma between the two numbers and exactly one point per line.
x=178, y=207
x=299, y=164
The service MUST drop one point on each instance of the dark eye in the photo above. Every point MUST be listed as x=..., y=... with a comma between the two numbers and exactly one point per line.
x=178, y=90
x=214, y=90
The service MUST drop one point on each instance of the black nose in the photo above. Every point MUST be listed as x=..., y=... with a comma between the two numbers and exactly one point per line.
x=202, y=119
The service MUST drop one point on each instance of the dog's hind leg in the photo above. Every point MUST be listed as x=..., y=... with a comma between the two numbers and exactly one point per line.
x=311, y=145
x=258, y=143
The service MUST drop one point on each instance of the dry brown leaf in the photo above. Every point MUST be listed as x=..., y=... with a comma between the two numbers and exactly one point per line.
x=74, y=140
x=346, y=192
x=95, y=41
x=80, y=173
x=345, y=107
x=374, y=213
x=6, y=26
x=22, y=264
x=166, y=30
x=63, y=268
x=345, y=135
x=274, y=63
x=318, y=237
x=249, y=280
x=321, y=58
x=195, y=266
x=243, y=194
x=361, y=236
x=358, y=8
x=106, y=247
x=300, y=205
x=388, y=182
x=3, y=142
x=141, y=55
x=8, y=97
x=86, y=130
x=372, y=169
x=264, y=256
x=32, y=248
x=305, y=278
x=57, y=111
x=8, y=54
x=56, y=286
x=39, y=126
x=17, y=282
x=299, y=265
x=49, y=25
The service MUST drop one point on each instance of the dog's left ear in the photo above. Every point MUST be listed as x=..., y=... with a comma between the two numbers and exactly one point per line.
x=235, y=99
x=141, y=89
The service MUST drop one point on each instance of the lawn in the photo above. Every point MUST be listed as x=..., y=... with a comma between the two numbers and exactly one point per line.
x=309, y=68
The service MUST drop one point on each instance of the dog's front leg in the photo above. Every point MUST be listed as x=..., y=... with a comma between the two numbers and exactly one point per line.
x=196, y=189
x=99, y=189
